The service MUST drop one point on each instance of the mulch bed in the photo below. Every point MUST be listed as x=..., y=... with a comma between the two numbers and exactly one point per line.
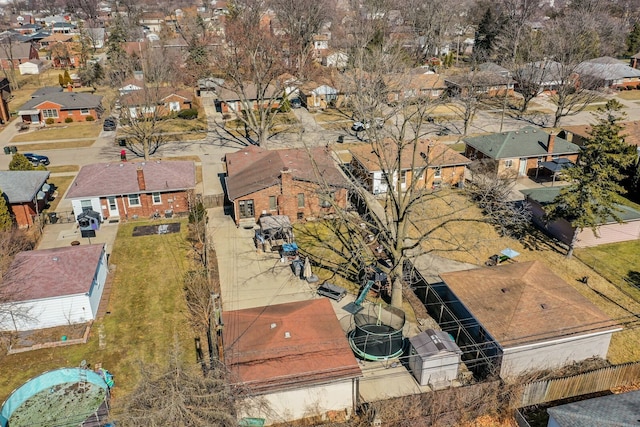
x=147, y=230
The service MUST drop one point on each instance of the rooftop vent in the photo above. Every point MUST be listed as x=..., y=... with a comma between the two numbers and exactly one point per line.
x=273, y=325
x=287, y=335
x=55, y=258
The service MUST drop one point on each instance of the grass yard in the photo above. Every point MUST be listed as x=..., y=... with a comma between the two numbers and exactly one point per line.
x=82, y=143
x=62, y=183
x=148, y=314
x=81, y=130
x=63, y=168
x=629, y=95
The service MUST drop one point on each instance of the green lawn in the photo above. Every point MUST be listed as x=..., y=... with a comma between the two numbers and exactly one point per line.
x=147, y=313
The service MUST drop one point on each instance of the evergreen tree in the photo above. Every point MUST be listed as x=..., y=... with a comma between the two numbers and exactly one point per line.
x=67, y=78
x=6, y=222
x=20, y=163
x=633, y=40
x=116, y=55
x=486, y=34
x=590, y=199
x=61, y=80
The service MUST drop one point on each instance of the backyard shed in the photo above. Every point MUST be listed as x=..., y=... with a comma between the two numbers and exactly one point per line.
x=434, y=358
x=53, y=287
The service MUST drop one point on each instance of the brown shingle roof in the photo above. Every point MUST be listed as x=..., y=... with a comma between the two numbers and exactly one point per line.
x=152, y=95
x=525, y=303
x=112, y=179
x=50, y=273
x=259, y=354
x=253, y=168
x=439, y=155
x=631, y=131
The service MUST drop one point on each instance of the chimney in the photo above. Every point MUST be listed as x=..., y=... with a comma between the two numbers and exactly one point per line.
x=69, y=87
x=285, y=179
x=141, y=184
x=550, y=145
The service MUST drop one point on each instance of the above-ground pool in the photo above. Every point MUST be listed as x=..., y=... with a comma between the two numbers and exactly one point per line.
x=64, y=397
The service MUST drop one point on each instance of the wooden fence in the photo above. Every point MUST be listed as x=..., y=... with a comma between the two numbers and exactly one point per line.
x=577, y=385
x=213, y=200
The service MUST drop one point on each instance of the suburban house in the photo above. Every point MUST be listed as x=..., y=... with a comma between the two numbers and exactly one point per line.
x=151, y=101
x=611, y=231
x=295, y=182
x=634, y=61
x=319, y=96
x=54, y=287
x=609, y=73
x=546, y=76
x=520, y=152
x=402, y=87
x=579, y=134
x=228, y=101
x=26, y=193
x=437, y=164
x=133, y=189
x=61, y=105
x=489, y=81
x=337, y=59
x=517, y=318
x=13, y=53
x=49, y=41
x=131, y=85
x=614, y=410
x=294, y=358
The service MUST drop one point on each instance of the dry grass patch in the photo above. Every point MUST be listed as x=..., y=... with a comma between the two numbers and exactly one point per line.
x=80, y=130
x=83, y=143
x=62, y=183
x=629, y=95
x=63, y=168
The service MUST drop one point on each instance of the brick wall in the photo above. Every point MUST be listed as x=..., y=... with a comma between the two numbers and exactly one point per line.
x=76, y=115
x=176, y=201
x=286, y=198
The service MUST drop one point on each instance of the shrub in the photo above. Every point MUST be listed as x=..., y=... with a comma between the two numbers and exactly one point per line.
x=49, y=121
x=188, y=114
x=68, y=120
x=90, y=118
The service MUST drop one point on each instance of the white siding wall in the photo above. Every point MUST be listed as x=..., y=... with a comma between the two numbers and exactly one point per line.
x=95, y=205
x=95, y=293
x=546, y=355
x=286, y=406
x=50, y=312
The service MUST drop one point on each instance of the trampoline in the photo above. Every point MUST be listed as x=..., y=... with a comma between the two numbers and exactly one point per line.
x=376, y=333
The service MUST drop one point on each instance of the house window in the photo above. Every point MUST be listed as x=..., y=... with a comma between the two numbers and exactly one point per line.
x=403, y=177
x=437, y=173
x=174, y=106
x=325, y=199
x=246, y=208
x=273, y=204
x=50, y=114
x=508, y=163
x=300, y=200
x=86, y=205
x=157, y=198
x=134, y=200
x=84, y=111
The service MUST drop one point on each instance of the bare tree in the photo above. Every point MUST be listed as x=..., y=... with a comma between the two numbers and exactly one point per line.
x=431, y=21
x=301, y=20
x=86, y=9
x=517, y=14
x=142, y=121
x=7, y=46
x=12, y=242
x=179, y=394
x=251, y=63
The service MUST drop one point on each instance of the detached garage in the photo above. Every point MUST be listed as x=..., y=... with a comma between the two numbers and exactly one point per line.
x=53, y=287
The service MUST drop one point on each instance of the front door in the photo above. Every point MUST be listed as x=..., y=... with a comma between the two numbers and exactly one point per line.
x=523, y=167
x=35, y=119
x=113, y=206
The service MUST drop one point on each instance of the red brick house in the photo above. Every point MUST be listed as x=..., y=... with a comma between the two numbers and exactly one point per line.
x=133, y=189
x=60, y=105
x=27, y=194
x=12, y=50
x=295, y=182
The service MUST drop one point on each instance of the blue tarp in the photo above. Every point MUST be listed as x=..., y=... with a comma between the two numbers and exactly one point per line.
x=289, y=247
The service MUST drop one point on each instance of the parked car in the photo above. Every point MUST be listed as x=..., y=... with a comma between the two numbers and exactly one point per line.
x=296, y=103
x=37, y=159
x=109, y=124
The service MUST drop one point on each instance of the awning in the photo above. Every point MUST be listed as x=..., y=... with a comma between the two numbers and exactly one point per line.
x=28, y=112
x=557, y=165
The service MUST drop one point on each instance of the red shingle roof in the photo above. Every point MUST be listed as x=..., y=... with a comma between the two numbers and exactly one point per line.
x=525, y=303
x=51, y=273
x=261, y=356
x=253, y=168
x=113, y=179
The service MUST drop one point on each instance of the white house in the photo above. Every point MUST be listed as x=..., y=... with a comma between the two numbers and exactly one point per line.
x=31, y=67
x=53, y=287
x=434, y=358
x=292, y=357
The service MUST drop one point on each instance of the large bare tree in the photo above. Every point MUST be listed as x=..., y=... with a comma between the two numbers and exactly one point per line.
x=251, y=64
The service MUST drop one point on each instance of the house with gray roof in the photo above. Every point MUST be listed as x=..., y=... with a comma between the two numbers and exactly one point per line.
x=27, y=194
x=609, y=73
x=59, y=106
x=614, y=410
x=609, y=231
x=521, y=152
x=133, y=189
